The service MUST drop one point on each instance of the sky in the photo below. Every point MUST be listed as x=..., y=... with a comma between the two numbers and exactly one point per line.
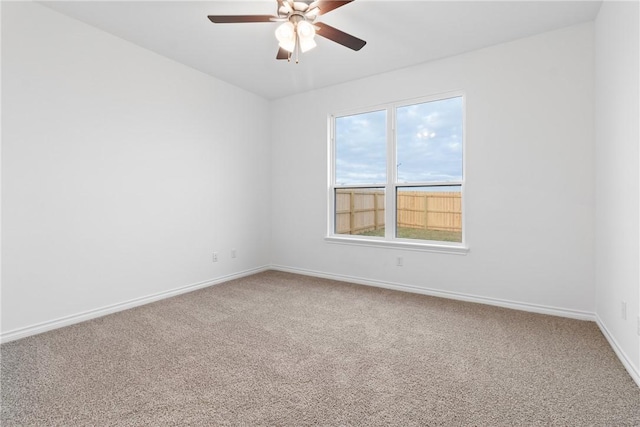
x=429, y=144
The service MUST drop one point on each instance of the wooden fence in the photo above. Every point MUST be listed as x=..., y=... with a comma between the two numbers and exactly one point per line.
x=362, y=210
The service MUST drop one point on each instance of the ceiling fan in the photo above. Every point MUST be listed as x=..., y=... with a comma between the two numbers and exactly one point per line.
x=299, y=26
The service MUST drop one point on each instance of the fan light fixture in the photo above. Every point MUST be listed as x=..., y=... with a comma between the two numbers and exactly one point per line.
x=286, y=35
x=294, y=35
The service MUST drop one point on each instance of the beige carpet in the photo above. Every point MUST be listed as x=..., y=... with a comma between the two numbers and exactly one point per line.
x=288, y=350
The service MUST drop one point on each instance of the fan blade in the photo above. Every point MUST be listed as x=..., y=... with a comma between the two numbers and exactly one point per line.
x=284, y=7
x=300, y=6
x=233, y=19
x=326, y=6
x=283, y=54
x=339, y=37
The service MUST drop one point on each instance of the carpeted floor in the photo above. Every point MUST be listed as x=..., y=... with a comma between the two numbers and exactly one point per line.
x=288, y=350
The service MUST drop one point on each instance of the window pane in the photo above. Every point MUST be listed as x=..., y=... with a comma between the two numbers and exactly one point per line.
x=360, y=211
x=429, y=213
x=429, y=141
x=360, y=144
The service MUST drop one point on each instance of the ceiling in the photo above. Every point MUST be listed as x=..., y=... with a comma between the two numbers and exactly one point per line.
x=398, y=34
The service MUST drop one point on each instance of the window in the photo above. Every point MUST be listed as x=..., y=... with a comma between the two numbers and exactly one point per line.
x=397, y=173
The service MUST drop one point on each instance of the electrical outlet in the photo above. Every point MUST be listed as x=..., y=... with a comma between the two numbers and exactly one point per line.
x=623, y=310
x=234, y=254
x=215, y=257
x=399, y=261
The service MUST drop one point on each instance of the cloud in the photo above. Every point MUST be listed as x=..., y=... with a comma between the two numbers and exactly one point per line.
x=425, y=134
x=361, y=148
x=429, y=141
x=429, y=144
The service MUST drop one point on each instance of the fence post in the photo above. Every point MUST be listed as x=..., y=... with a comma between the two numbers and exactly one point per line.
x=352, y=214
x=375, y=211
x=426, y=212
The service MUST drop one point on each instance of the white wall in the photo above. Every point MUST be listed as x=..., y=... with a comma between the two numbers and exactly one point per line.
x=617, y=178
x=530, y=195
x=122, y=171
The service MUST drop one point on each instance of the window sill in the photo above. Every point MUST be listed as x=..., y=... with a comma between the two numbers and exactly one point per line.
x=457, y=249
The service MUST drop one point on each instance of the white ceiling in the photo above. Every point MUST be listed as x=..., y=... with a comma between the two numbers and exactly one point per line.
x=398, y=34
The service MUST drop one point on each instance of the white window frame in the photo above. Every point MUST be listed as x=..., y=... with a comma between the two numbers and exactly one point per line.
x=391, y=185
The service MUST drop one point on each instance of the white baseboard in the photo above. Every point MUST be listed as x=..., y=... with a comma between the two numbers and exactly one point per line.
x=103, y=311
x=534, y=308
x=572, y=314
x=626, y=362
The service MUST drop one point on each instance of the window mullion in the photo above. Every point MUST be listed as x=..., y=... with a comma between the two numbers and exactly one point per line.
x=390, y=190
x=331, y=155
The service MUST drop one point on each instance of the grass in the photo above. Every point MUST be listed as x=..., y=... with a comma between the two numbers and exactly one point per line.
x=420, y=234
